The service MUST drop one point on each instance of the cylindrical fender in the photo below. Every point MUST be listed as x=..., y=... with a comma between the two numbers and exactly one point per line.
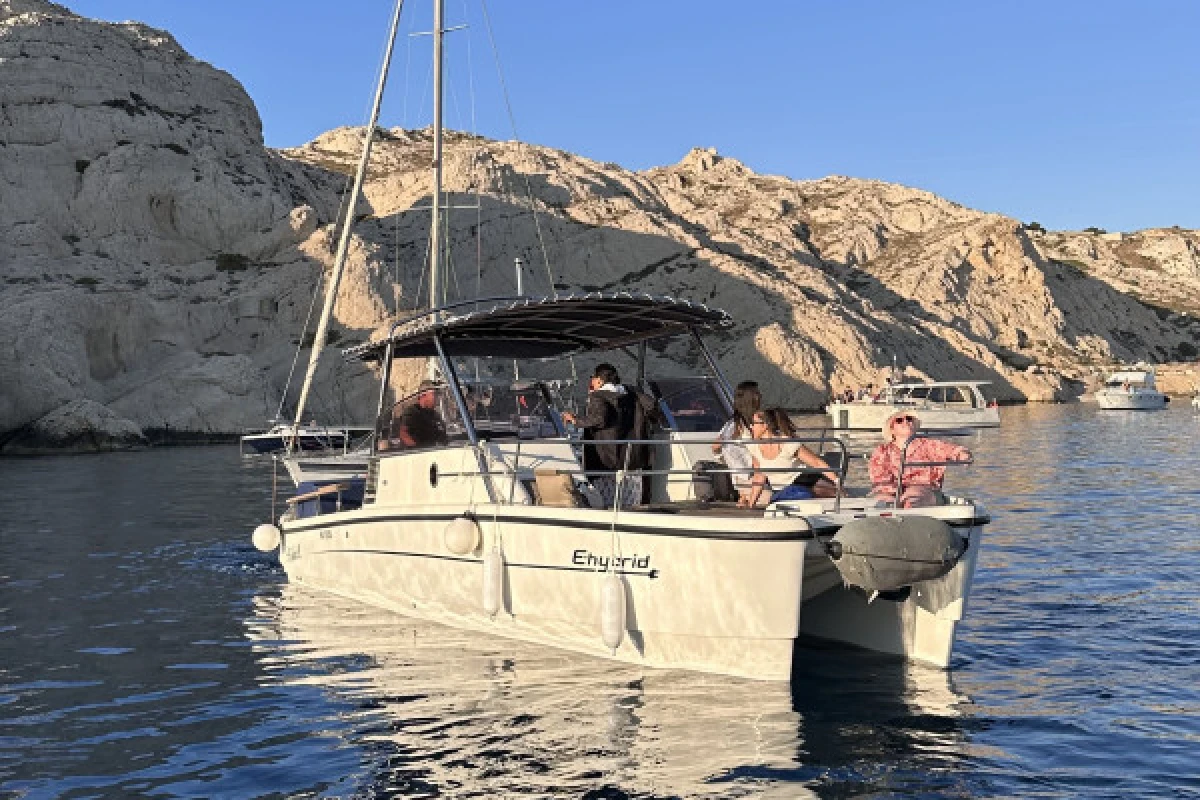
x=612, y=611
x=493, y=581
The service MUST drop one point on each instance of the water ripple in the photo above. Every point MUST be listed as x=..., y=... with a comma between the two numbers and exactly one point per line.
x=147, y=649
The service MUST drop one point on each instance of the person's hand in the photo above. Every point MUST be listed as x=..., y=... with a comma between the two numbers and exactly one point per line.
x=568, y=418
x=716, y=447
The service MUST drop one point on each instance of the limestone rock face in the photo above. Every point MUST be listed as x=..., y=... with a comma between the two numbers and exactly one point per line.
x=157, y=260
x=152, y=250
x=829, y=279
x=81, y=426
x=1158, y=269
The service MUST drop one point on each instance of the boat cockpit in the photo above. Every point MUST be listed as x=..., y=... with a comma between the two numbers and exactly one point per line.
x=515, y=434
x=1130, y=380
x=950, y=396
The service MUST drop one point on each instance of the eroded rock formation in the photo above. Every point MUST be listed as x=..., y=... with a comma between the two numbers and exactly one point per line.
x=159, y=262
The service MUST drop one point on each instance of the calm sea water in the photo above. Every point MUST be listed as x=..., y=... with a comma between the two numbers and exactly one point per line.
x=147, y=650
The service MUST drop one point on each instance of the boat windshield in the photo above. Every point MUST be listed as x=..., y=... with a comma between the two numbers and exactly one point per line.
x=691, y=404
x=1128, y=381
x=962, y=396
x=430, y=417
x=525, y=409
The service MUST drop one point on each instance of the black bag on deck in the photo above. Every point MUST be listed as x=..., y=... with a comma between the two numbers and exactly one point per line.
x=711, y=483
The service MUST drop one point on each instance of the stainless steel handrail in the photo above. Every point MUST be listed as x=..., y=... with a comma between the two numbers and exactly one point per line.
x=905, y=464
x=841, y=471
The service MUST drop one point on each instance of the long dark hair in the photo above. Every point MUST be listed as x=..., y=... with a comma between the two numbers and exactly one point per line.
x=747, y=400
x=780, y=423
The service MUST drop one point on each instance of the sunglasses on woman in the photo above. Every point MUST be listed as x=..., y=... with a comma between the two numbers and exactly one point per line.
x=909, y=420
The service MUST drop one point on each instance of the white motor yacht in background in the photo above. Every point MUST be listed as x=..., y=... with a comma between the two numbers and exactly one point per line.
x=941, y=405
x=1131, y=390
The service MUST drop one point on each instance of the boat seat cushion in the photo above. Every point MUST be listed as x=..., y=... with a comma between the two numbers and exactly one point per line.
x=557, y=489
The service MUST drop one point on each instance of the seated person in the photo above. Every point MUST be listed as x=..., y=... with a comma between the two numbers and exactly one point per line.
x=420, y=424
x=922, y=485
x=747, y=401
x=774, y=423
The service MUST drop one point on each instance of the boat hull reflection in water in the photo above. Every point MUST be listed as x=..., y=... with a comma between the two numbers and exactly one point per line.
x=439, y=710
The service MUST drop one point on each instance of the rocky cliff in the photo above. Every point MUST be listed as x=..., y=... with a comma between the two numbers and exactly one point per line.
x=159, y=262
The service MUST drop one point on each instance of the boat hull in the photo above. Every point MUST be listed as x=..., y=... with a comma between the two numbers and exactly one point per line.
x=1135, y=400
x=695, y=603
x=919, y=623
x=697, y=596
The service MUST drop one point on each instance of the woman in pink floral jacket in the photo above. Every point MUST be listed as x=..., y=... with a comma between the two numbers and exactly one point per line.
x=922, y=485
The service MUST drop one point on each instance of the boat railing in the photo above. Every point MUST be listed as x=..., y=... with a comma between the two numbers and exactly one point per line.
x=906, y=464
x=514, y=469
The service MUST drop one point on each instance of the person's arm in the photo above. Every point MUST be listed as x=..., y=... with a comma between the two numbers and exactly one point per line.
x=403, y=432
x=758, y=482
x=881, y=470
x=811, y=459
x=595, y=415
x=725, y=434
x=937, y=450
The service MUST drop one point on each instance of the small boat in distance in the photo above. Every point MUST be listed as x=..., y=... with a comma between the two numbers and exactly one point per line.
x=309, y=437
x=1131, y=390
x=941, y=405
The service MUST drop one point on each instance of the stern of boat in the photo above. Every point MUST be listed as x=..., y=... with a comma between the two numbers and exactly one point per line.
x=918, y=622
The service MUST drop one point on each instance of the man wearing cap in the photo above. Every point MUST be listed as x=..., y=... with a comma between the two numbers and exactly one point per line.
x=420, y=423
x=921, y=484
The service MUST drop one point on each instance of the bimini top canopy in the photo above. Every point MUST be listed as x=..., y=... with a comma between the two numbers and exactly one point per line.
x=542, y=327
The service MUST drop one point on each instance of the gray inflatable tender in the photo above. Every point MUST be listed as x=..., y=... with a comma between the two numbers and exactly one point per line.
x=881, y=554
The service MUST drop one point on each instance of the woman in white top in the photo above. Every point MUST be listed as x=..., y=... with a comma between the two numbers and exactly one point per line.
x=747, y=401
x=788, y=483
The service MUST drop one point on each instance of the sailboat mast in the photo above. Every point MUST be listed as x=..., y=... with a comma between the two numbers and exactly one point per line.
x=339, y=260
x=435, y=235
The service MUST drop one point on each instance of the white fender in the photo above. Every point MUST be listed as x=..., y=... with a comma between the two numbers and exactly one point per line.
x=612, y=611
x=493, y=581
x=462, y=536
x=265, y=537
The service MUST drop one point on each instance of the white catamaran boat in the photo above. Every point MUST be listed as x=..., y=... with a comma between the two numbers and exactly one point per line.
x=480, y=515
x=941, y=405
x=1131, y=390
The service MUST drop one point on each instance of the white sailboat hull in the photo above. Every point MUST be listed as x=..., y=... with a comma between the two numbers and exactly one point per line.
x=698, y=597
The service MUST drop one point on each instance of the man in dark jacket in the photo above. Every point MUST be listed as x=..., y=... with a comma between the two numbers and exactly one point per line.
x=614, y=412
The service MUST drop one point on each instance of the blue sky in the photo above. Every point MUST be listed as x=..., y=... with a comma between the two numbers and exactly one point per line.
x=1069, y=113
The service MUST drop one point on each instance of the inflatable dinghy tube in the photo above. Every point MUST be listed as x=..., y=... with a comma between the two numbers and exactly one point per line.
x=882, y=554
